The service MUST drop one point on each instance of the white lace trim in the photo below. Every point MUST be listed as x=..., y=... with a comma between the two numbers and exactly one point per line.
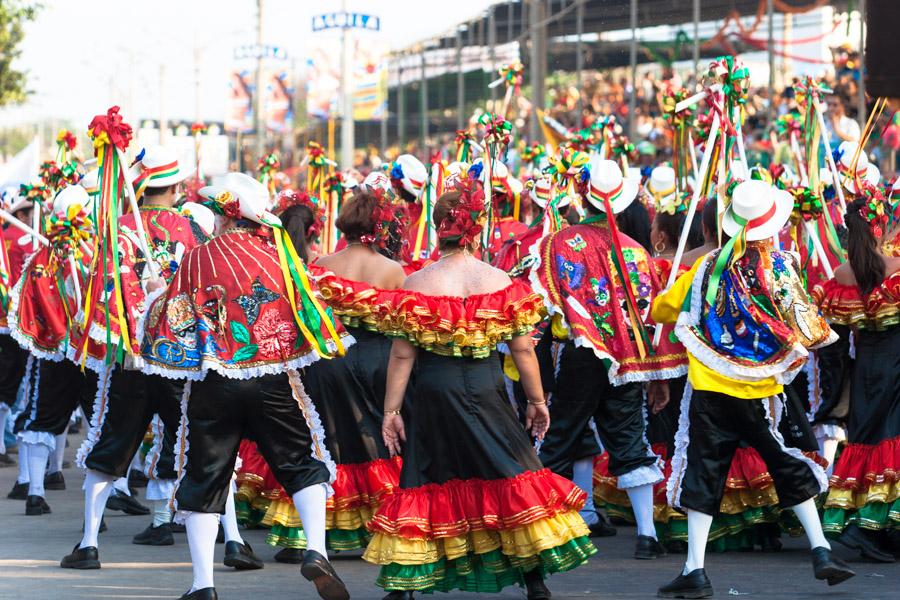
x=813, y=391
x=780, y=371
x=38, y=437
x=651, y=474
x=778, y=405
x=318, y=449
x=97, y=365
x=679, y=457
x=160, y=489
x=142, y=319
x=12, y=318
x=830, y=431
x=231, y=372
x=182, y=445
x=98, y=418
x=152, y=458
x=4, y=330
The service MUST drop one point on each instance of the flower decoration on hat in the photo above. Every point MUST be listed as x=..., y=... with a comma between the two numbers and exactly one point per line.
x=674, y=203
x=288, y=198
x=384, y=215
x=466, y=220
x=226, y=204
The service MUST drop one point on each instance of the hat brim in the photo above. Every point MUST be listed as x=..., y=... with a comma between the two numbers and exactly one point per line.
x=267, y=218
x=629, y=193
x=20, y=205
x=784, y=204
x=168, y=180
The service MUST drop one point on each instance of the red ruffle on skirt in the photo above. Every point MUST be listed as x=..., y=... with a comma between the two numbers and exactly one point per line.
x=602, y=476
x=862, y=465
x=458, y=507
x=365, y=484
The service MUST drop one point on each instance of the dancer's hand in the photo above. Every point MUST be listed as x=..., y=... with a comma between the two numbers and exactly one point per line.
x=393, y=432
x=537, y=419
x=657, y=395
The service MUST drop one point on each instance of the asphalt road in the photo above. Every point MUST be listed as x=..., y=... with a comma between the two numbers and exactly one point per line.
x=31, y=547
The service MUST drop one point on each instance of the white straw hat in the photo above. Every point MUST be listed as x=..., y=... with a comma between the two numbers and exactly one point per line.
x=69, y=196
x=411, y=173
x=661, y=184
x=762, y=208
x=607, y=182
x=201, y=215
x=252, y=196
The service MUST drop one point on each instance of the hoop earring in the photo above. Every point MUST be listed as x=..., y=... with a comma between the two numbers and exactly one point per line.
x=657, y=249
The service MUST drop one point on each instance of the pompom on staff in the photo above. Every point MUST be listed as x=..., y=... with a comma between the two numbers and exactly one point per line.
x=511, y=76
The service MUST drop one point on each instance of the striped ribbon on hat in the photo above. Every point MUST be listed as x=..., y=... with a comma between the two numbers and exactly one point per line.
x=606, y=199
x=149, y=174
x=734, y=249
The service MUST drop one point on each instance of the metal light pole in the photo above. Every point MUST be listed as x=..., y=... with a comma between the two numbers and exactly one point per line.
x=259, y=123
x=632, y=99
x=460, y=84
x=770, y=17
x=401, y=104
x=423, y=105
x=696, y=54
x=579, y=55
x=347, y=124
x=861, y=88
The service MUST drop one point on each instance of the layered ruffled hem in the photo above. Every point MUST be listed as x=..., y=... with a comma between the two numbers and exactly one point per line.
x=844, y=305
x=862, y=466
x=482, y=561
x=470, y=327
x=458, y=507
x=877, y=507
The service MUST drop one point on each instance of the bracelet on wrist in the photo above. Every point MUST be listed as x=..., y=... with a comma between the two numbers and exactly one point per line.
x=392, y=412
x=541, y=403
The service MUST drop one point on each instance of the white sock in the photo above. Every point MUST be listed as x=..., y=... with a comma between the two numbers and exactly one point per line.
x=121, y=486
x=310, y=504
x=698, y=533
x=828, y=448
x=641, y=498
x=97, y=487
x=809, y=517
x=136, y=463
x=37, y=466
x=229, y=520
x=4, y=410
x=202, y=529
x=23, y=463
x=162, y=514
x=56, y=458
x=583, y=477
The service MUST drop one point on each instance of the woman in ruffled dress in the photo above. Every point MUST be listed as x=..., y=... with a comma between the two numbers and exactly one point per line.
x=863, y=504
x=475, y=509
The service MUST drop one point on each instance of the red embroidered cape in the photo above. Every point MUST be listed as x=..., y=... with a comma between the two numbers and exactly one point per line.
x=227, y=310
x=574, y=272
x=514, y=256
x=503, y=231
x=39, y=311
x=16, y=253
x=171, y=236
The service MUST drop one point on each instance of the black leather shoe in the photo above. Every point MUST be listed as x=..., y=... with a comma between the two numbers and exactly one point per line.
x=241, y=557
x=399, y=595
x=177, y=527
x=18, y=492
x=317, y=569
x=856, y=538
x=136, y=479
x=830, y=568
x=126, y=503
x=81, y=558
x=648, y=548
x=202, y=594
x=6, y=461
x=54, y=481
x=289, y=556
x=693, y=585
x=154, y=536
x=602, y=528
x=36, y=505
x=535, y=587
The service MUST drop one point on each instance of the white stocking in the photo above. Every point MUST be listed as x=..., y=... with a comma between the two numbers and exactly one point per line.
x=23, y=463
x=4, y=410
x=698, y=533
x=162, y=514
x=828, y=448
x=229, y=520
x=37, y=466
x=56, y=458
x=202, y=529
x=809, y=517
x=97, y=487
x=641, y=498
x=583, y=476
x=310, y=504
x=121, y=486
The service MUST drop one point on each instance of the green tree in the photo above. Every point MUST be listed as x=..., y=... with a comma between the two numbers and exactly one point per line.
x=13, y=16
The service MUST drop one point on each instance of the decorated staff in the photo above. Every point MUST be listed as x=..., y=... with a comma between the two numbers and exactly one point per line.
x=511, y=76
x=734, y=77
x=497, y=134
x=334, y=188
x=807, y=95
x=569, y=171
x=466, y=146
x=198, y=129
x=267, y=168
x=682, y=146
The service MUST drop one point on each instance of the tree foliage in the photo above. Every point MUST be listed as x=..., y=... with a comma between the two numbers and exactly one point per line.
x=13, y=16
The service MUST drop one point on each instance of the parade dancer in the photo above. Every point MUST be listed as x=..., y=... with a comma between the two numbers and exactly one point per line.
x=747, y=324
x=475, y=509
x=598, y=285
x=238, y=320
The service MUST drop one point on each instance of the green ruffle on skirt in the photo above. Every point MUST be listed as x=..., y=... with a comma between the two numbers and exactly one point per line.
x=874, y=516
x=485, y=573
x=247, y=515
x=336, y=540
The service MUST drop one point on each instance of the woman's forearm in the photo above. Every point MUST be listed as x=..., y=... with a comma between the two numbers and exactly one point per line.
x=403, y=356
x=523, y=355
